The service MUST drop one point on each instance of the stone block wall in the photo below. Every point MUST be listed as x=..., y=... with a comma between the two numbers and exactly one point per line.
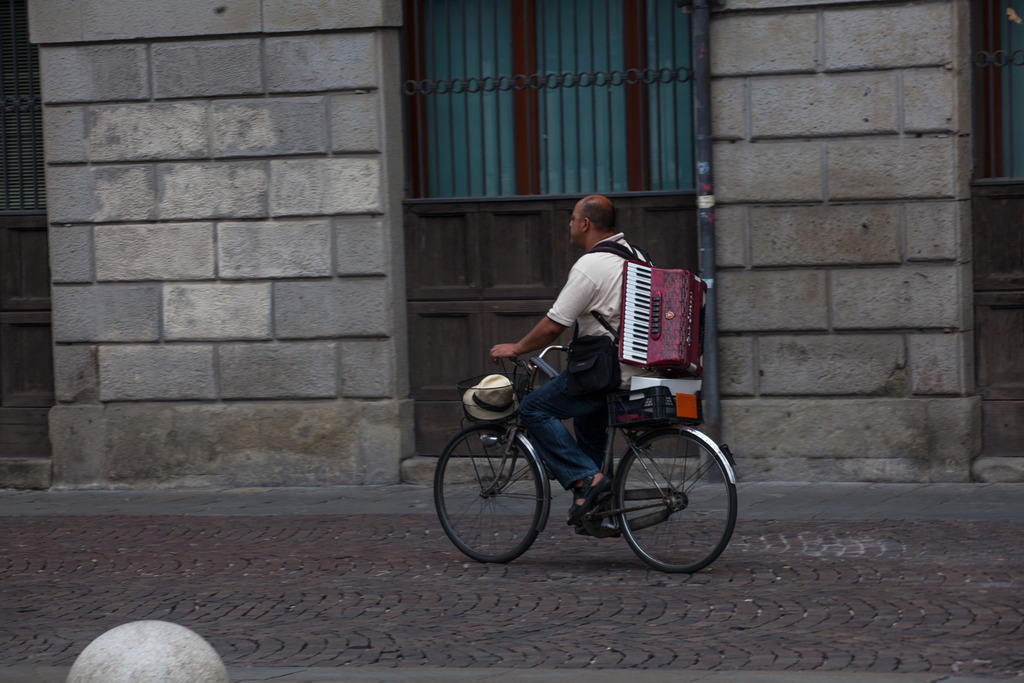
x=225, y=182
x=225, y=185
x=842, y=161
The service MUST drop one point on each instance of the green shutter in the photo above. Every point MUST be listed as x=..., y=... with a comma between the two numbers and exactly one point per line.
x=669, y=103
x=470, y=134
x=582, y=128
x=22, y=181
x=1012, y=77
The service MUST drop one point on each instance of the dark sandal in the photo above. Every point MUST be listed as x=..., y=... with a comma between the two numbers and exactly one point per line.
x=589, y=492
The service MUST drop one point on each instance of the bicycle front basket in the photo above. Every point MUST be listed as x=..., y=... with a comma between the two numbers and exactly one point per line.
x=488, y=398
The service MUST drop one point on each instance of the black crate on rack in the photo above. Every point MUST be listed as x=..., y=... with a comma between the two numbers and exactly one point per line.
x=647, y=406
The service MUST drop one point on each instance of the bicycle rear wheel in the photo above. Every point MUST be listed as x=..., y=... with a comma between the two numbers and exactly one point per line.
x=680, y=500
x=491, y=496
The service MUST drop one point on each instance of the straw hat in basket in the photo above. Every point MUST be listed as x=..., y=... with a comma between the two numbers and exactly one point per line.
x=490, y=399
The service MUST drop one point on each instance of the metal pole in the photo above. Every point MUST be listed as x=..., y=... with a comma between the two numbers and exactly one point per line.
x=706, y=211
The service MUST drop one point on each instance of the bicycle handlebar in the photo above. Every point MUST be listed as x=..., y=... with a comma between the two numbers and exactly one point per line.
x=541, y=365
x=553, y=347
x=539, y=362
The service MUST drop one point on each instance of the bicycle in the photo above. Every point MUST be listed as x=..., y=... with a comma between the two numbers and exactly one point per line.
x=673, y=494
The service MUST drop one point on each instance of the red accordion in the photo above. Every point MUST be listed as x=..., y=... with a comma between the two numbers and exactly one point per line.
x=662, y=322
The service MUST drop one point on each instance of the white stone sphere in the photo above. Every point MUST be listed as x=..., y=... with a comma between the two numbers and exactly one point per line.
x=150, y=651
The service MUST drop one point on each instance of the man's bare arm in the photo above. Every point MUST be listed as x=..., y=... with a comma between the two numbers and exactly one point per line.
x=543, y=333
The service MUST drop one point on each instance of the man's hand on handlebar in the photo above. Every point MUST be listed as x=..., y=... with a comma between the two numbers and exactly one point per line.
x=503, y=351
x=543, y=333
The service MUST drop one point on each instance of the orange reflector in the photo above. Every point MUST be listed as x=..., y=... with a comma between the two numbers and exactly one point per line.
x=686, y=406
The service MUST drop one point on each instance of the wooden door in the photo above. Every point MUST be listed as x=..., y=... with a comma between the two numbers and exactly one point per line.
x=998, y=221
x=26, y=365
x=480, y=273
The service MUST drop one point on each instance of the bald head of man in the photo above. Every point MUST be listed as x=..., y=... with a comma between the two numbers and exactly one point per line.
x=593, y=219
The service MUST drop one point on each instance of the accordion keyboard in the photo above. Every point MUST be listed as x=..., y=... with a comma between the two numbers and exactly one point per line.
x=636, y=313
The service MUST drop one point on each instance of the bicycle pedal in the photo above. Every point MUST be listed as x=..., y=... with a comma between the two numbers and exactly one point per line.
x=600, y=528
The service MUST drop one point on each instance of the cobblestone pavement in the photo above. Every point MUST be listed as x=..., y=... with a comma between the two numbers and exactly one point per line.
x=853, y=598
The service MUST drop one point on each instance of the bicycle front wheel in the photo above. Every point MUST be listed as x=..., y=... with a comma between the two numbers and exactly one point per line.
x=490, y=495
x=679, y=501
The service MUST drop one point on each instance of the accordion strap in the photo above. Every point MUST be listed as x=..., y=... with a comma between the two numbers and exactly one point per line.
x=626, y=252
x=620, y=249
x=600, y=319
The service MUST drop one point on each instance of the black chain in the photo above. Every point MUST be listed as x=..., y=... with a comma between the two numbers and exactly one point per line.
x=549, y=81
x=999, y=58
x=13, y=103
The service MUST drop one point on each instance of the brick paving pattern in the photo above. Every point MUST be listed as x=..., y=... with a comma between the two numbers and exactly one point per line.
x=390, y=590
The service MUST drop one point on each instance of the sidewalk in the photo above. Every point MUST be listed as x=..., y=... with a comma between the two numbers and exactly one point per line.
x=378, y=675
x=757, y=500
x=881, y=583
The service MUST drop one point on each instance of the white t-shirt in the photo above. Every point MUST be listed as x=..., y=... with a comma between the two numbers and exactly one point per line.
x=595, y=284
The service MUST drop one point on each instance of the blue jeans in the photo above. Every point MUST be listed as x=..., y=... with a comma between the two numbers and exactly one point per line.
x=568, y=459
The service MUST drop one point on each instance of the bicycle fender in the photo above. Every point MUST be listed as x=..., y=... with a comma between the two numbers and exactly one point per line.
x=712, y=446
x=545, y=484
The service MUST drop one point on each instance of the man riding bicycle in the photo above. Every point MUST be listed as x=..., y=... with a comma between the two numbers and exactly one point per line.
x=594, y=284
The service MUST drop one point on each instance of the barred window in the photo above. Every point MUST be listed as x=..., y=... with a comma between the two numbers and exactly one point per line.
x=523, y=97
x=22, y=182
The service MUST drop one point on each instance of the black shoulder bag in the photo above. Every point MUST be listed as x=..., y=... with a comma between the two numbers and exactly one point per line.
x=593, y=363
